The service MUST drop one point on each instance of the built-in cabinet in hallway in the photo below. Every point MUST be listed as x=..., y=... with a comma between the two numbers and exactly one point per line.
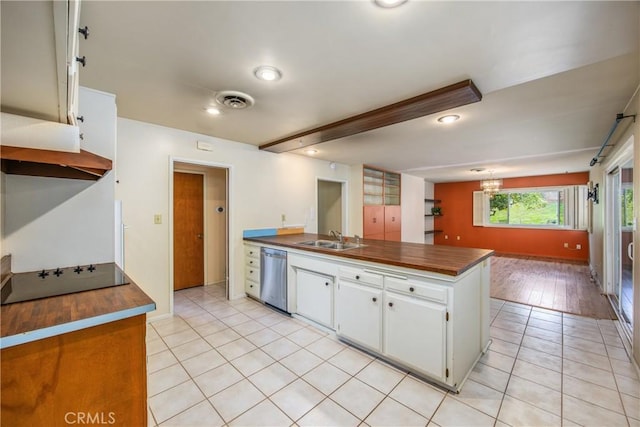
x=381, y=211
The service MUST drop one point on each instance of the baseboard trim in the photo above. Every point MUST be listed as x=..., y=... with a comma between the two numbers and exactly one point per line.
x=542, y=258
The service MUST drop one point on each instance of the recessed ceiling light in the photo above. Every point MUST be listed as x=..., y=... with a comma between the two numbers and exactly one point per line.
x=267, y=73
x=311, y=152
x=389, y=3
x=449, y=118
x=213, y=111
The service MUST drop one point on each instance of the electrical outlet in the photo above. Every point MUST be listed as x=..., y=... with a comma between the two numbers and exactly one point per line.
x=566, y=245
x=157, y=219
x=578, y=246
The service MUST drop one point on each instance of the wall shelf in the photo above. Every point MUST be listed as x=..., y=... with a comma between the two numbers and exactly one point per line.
x=430, y=215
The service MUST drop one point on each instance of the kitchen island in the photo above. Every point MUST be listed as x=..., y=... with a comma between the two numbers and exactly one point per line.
x=422, y=307
x=78, y=358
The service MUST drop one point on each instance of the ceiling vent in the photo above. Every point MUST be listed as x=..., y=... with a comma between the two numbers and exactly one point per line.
x=234, y=99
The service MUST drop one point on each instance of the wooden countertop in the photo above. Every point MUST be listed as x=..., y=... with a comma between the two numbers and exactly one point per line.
x=32, y=320
x=449, y=260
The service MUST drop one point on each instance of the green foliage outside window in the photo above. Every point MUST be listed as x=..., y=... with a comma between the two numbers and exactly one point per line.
x=627, y=207
x=543, y=208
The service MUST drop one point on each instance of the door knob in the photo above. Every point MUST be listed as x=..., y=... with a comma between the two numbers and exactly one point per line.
x=390, y=304
x=199, y=235
x=374, y=299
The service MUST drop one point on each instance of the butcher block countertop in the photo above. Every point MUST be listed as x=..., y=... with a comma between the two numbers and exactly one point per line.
x=448, y=260
x=28, y=321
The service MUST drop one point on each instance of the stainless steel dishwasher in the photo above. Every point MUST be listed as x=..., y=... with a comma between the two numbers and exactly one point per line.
x=273, y=277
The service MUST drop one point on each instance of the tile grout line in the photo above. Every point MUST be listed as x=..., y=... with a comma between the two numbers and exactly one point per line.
x=615, y=380
x=506, y=387
x=325, y=360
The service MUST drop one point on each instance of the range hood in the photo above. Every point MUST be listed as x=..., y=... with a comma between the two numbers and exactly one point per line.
x=43, y=148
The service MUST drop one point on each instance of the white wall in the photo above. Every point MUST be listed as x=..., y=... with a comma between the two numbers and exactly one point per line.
x=355, y=201
x=262, y=187
x=412, y=202
x=55, y=222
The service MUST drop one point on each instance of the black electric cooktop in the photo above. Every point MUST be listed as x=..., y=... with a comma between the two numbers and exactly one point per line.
x=61, y=281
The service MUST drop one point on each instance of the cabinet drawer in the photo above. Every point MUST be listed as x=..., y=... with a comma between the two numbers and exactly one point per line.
x=420, y=289
x=361, y=276
x=252, y=251
x=252, y=262
x=252, y=288
x=251, y=273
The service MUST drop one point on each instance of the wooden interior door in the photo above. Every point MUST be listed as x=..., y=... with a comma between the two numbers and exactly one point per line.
x=188, y=230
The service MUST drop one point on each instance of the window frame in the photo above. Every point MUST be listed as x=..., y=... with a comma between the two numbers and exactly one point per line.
x=575, y=209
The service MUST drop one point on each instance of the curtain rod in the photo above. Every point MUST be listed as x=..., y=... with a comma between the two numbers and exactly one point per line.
x=619, y=118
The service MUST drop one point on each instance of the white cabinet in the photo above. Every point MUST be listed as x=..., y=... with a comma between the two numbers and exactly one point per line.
x=252, y=271
x=315, y=296
x=433, y=324
x=359, y=312
x=415, y=334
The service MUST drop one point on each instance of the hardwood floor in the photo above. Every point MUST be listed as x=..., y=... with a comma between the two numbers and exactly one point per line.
x=554, y=285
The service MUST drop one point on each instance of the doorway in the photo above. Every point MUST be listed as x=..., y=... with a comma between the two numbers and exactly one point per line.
x=207, y=262
x=620, y=227
x=331, y=206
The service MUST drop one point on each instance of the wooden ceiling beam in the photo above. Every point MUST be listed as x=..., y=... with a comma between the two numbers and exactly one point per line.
x=446, y=98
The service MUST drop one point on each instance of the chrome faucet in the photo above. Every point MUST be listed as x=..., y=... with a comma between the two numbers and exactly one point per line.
x=336, y=234
x=355, y=236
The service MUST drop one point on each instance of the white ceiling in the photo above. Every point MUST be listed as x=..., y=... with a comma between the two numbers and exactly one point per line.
x=553, y=75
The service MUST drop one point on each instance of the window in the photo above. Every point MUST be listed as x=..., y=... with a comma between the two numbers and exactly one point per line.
x=549, y=207
x=627, y=206
x=528, y=208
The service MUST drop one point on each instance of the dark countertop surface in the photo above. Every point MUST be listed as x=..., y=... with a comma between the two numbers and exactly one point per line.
x=31, y=320
x=449, y=260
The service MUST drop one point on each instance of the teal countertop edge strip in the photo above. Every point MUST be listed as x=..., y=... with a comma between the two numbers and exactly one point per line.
x=64, y=328
x=262, y=232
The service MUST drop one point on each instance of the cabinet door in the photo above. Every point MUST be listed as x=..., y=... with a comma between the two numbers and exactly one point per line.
x=392, y=219
x=373, y=224
x=392, y=223
x=252, y=288
x=315, y=296
x=415, y=333
x=359, y=314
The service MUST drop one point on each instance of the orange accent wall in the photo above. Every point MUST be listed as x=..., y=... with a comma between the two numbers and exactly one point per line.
x=457, y=220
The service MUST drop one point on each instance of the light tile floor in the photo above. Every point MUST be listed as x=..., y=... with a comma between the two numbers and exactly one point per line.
x=239, y=363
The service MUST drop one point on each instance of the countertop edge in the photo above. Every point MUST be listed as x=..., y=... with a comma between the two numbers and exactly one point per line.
x=63, y=328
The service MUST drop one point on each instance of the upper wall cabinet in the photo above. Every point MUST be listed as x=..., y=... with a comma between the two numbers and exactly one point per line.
x=381, y=197
x=380, y=187
x=41, y=59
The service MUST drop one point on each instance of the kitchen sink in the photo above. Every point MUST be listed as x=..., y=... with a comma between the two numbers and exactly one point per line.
x=330, y=244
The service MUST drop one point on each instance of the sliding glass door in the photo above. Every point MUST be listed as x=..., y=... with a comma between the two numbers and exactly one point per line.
x=621, y=225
